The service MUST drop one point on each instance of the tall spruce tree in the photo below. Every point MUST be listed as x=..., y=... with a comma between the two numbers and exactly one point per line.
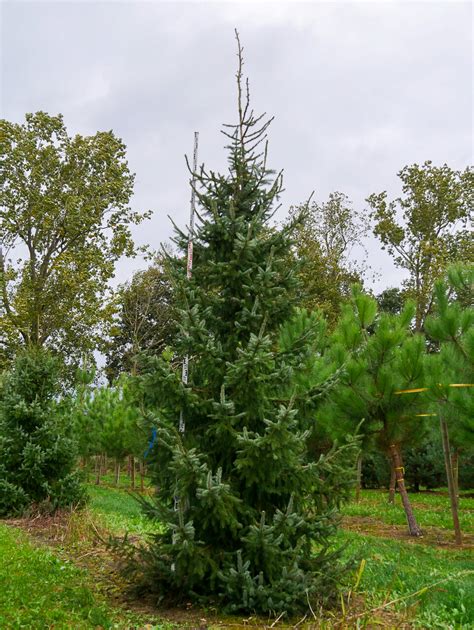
x=247, y=517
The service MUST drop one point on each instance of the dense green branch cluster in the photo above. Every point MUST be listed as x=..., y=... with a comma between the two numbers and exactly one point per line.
x=248, y=516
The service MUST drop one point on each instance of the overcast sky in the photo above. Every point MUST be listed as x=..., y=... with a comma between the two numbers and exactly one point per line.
x=358, y=90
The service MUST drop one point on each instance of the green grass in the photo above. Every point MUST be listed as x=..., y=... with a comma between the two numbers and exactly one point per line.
x=431, y=510
x=395, y=569
x=40, y=590
x=108, y=479
x=118, y=510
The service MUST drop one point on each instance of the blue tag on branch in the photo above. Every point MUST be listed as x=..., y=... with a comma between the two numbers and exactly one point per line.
x=151, y=442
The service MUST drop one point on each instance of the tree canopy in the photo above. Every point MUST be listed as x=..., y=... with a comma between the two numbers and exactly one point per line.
x=145, y=321
x=64, y=222
x=424, y=230
x=325, y=239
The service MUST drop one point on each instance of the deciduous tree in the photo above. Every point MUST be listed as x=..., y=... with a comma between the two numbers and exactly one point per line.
x=64, y=222
x=325, y=239
x=145, y=321
x=424, y=230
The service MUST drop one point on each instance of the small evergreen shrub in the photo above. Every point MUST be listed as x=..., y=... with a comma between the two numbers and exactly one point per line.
x=37, y=451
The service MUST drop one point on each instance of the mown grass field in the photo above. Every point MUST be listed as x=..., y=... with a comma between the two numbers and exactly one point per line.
x=432, y=586
x=432, y=509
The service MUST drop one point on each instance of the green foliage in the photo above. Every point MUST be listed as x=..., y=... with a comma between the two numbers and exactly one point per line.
x=108, y=420
x=436, y=206
x=325, y=236
x=145, y=321
x=453, y=329
x=380, y=356
x=64, y=222
x=254, y=514
x=37, y=450
x=375, y=470
x=424, y=463
x=391, y=300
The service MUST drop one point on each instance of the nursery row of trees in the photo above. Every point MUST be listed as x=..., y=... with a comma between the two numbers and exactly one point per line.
x=281, y=398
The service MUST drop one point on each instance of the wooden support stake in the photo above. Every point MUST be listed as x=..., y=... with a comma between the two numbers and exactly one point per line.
x=399, y=475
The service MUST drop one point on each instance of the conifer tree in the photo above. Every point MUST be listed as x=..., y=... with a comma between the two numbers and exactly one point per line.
x=381, y=357
x=453, y=329
x=248, y=518
x=37, y=450
x=452, y=370
x=108, y=422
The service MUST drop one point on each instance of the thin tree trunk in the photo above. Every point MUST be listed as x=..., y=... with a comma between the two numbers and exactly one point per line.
x=450, y=478
x=132, y=472
x=97, y=465
x=359, y=478
x=393, y=482
x=142, y=476
x=117, y=472
x=129, y=466
x=399, y=474
x=87, y=467
x=103, y=464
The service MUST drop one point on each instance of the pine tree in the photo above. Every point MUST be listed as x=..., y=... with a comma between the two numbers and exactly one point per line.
x=37, y=451
x=381, y=357
x=453, y=366
x=108, y=423
x=247, y=517
x=453, y=329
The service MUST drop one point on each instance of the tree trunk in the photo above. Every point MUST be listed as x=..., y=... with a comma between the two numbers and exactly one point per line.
x=393, y=481
x=97, y=465
x=399, y=472
x=103, y=464
x=450, y=478
x=86, y=462
x=359, y=478
x=132, y=472
x=117, y=472
x=142, y=476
